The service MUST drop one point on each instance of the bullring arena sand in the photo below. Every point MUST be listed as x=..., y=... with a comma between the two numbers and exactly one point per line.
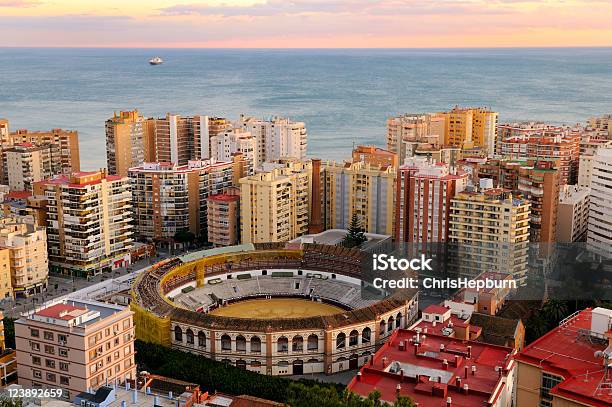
x=276, y=308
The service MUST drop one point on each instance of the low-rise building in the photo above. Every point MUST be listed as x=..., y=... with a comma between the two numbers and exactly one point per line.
x=375, y=156
x=437, y=370
x=75, y=345
x=570, y=365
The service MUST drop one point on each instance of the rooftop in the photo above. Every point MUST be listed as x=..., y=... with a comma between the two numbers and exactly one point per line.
x=429, y=368
x=573, y=352
x=67, y=312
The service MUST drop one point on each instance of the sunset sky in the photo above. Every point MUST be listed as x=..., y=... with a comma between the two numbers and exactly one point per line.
x=306, y=23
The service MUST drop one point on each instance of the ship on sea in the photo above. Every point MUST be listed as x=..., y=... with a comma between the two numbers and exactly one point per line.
x=156, y=61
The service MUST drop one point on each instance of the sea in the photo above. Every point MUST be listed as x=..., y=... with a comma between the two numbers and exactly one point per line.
x=343, y=95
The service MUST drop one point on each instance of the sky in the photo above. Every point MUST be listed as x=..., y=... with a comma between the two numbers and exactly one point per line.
x=305, y=23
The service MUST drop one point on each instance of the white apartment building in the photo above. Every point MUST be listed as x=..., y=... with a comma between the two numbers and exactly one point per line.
x=276, y=138
x=232, y=141
x=599, y=236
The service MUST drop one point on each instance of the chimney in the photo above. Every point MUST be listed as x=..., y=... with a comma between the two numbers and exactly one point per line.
x=459, y=381
x=466, y=389
x=315, y=225
x=473, y=370
x=402, y=375
x=416, y=347
x=449, y=402
x=398, y=388
x=466, y=371
x=469, y=348
x=445, y=364
x=441, y=347
x=384, y=362
x=358, y=376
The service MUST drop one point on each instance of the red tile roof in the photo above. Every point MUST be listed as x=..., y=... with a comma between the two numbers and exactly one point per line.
x=428, y=363
x=436, y=309
x=59, y=311
x=566, y=351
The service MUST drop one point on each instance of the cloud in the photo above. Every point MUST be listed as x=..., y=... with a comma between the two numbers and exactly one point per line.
x=332, y=7
x=19, y=3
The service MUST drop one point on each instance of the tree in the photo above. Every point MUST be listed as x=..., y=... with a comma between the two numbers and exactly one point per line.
x=355, y=236
x=184, y=236
x=9, y=332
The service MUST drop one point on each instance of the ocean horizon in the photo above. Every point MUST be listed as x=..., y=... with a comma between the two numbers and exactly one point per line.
x=343, y=95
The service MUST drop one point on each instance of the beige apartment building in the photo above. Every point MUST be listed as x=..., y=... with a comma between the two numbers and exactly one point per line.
x=573, y=214
x=88, y=222
x=414, y=128
x=358, y=188
x=224, y=218
x=489, y=232
x=75, y=345
x=169, y=198
x=4, y=132
x=6, y=283
x=27, y=163
x=27, y=251
x=64, y=144
x=205, y=130
x=275, y=205
x=125, y=141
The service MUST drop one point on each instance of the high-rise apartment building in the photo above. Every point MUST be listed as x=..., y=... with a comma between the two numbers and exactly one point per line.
x=423, y=199
x=588, y=148
x=27, y=251
x=360, y=189
x=275, y=205
x=277, y=138
x=524, y=141
x=4, y=132
x=489, y=231
x=538, y=181
x=75, y=345
x=6, y=283
x=573, y=214
x=205, y=129
x=224, y=218
x=414, y=128
x=375, y=156
x=169, y=198
x=174, y=139
x=599, y=236
x=125, y=139
x=603, y=125
x=27, y=163
x=471, y=127
x=65, y=158
x=88, y=222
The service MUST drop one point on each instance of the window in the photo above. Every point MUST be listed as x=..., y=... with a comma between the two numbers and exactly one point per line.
x=178, y=334
x=37, y=374
x=297, y=344
x=548, y=382
x=202, y=339
x=49, y=349
x=63, y=366
x=341, y=340
x=226, y=342
x=35, y=346
x=282, y=344
x=126, y=324
x=50, y=363
x=64, y=380
x=63, y=352
x=240, y=343
x=313, y=342
x=189, y=337
x=50, y=377
x=353, y=338
x=36, y=360
x=62, y=339
x=34, y=333
x=48, y=335
x=255, y=344
x=366, y=334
